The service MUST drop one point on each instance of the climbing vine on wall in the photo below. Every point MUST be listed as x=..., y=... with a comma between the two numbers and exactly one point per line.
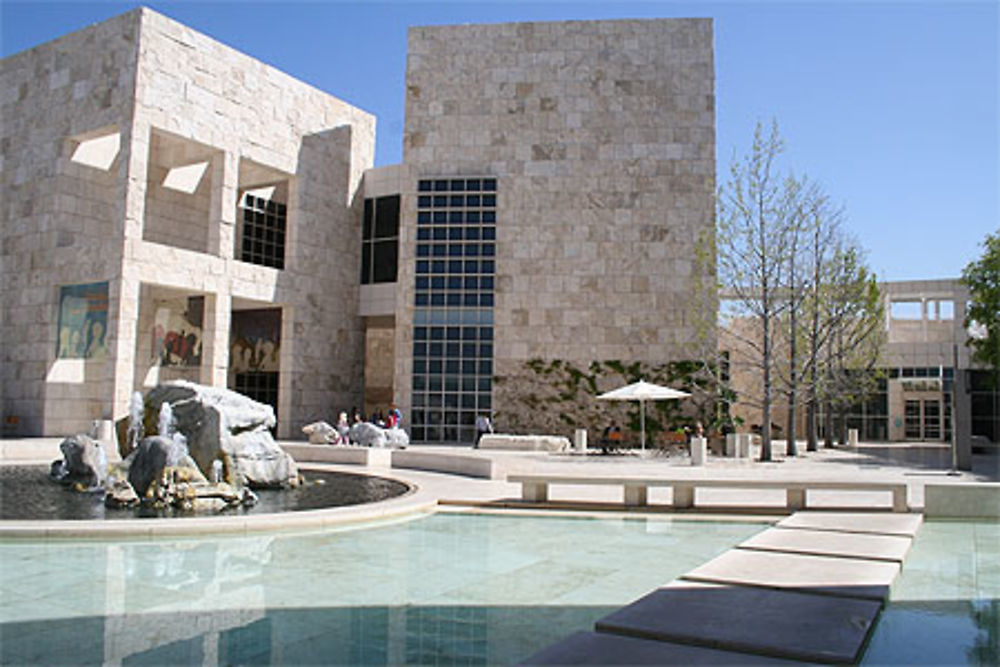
x=557, y=396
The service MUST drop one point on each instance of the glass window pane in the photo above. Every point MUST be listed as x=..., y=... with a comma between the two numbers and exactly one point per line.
x=387, y=217
x=385, y=261
x=366, y=226
x=366, y=263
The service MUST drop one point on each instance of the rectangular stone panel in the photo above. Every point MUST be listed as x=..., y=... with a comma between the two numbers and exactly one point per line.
x=600, y=648
x=856, y=522
x=779, y=624
x=830, y=543
x=843, y=577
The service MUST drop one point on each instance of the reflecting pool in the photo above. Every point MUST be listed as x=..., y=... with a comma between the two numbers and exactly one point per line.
x=944, y=608
x=443, y=588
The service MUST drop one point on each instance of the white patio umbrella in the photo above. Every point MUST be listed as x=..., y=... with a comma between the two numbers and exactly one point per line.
x=643, y=391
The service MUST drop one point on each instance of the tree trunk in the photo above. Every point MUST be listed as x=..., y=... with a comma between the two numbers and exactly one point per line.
x=791, y=449
x=811, y=439
x=828, y=426
x=765, y=428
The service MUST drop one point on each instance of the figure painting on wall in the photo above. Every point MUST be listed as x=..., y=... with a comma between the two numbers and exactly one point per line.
x=177, y=332
x=83, y=321
x=256, y=341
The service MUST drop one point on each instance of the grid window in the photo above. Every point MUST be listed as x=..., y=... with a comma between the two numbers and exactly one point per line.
x=264, y=225
x=380, y=240
x=261, y=386
x=453, y=321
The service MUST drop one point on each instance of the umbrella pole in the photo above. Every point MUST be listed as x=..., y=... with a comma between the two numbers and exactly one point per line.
x=642, y=424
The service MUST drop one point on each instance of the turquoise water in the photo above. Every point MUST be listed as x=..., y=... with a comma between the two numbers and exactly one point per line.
x=443, y=589
x=944, y=608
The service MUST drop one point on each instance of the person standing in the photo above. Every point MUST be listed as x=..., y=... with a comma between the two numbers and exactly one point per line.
x=483, y=425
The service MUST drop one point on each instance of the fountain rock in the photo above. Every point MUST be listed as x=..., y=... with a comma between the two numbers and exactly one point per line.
x=120, y=494
x=370, y=435
x=219, y=424
x=84, y=463
x=321, y=433
x=150, y=461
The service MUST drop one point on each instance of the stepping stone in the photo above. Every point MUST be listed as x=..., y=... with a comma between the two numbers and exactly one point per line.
x=829, y=543
x=895, y=523
x=599, y=648
x=845, y=577
x=779, y=624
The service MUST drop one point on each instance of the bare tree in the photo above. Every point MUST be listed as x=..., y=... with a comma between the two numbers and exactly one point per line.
x=852, y=326
x=756, y=209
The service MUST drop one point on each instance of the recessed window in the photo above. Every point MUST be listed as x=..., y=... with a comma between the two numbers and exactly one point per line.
x=264, y=226
x=380, y=241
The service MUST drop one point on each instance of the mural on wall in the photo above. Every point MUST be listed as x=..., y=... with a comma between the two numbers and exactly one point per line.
x=83, y=321
x=255, y=343
x=177, y=331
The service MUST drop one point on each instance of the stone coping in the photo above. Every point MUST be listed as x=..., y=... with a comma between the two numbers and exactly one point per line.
x=414, y=502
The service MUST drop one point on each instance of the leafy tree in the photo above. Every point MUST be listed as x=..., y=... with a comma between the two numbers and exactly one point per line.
x=983, y=278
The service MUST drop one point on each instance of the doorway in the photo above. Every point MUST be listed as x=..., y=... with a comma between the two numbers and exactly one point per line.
x=923, y=419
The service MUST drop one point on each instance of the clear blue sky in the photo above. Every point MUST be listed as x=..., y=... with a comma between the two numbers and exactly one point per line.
x=892, y=106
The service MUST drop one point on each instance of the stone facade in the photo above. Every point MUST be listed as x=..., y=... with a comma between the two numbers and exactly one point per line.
x=601, y=137
x=174, y=98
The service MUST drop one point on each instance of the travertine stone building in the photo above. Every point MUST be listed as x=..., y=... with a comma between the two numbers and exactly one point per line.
x=175, y=209
x=589, y=150
x=168, y=200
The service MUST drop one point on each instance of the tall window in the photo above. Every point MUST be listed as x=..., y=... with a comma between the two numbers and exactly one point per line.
x=263, y=232
x=453, y=319
x=380, y=240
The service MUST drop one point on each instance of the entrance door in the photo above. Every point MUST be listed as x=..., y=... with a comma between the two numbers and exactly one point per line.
x=923, y=419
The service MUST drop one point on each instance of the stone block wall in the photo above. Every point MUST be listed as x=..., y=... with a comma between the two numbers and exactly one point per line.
x=150, y=78
x=58, y=216
x=601, y=135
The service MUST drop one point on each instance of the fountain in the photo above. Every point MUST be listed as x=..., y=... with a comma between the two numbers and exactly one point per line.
x=186, y=450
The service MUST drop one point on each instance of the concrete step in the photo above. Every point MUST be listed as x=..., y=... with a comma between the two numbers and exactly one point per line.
x=599, y=648
x=821, y=575
x=830, y=543
x=880, y=523
x=781, y=624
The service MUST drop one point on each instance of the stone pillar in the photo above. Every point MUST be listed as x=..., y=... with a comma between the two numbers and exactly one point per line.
x=123, y=316
x=225, y=189
x=215, y=340
x=698, y=451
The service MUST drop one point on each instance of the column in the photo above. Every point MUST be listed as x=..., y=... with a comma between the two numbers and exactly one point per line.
x=215, y=340
x=225, y=190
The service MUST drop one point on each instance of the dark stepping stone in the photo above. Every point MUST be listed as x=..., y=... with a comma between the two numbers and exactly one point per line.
x=775, y=623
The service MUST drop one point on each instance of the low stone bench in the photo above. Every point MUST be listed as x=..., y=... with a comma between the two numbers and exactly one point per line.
x=966, y=500
x=524, y=443
x=535, y=488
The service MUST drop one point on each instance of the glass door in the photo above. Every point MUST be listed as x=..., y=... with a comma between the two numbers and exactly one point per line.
x=912, y=417
x=932, y=420
x=922, y=419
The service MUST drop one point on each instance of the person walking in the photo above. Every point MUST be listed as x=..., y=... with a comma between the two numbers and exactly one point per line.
x=483, y=425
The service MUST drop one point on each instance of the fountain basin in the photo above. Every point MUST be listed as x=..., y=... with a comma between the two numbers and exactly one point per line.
x=367, y=498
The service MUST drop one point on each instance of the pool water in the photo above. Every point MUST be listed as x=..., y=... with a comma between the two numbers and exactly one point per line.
x=944, y=608
x=27, y=493
x=442, y=589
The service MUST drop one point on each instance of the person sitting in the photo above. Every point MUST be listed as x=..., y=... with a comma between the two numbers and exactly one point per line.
x=612, y=439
